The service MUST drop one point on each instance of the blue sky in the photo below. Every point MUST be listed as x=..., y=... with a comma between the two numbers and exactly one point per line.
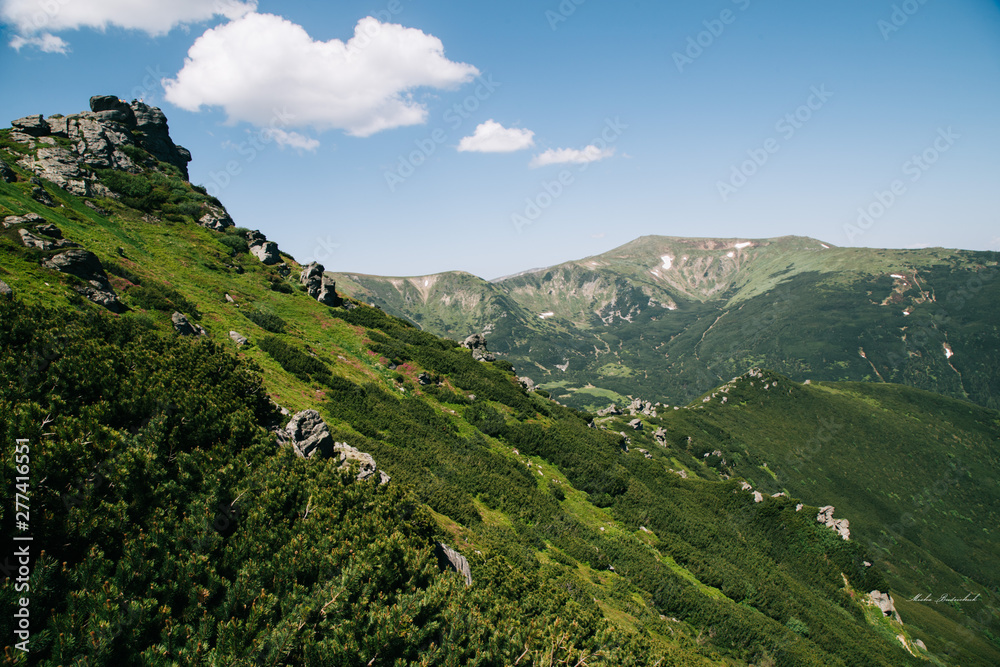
x=860, y=122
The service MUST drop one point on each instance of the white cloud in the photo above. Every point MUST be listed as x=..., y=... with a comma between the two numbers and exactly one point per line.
x=572, y=156
x=294, y=139
x=252, y=66
x=156, y=17
x=492, y=137
x=45, y=42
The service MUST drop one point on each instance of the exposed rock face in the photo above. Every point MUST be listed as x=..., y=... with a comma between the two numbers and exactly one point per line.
x=319, y=286
x=639, y=406
x=636, y=424
x=841, y=526
x=7, y=174
x=31, y=241
x=424, y=379
x=49, y=230
x=477, y=343
x=216, y=219
x=98, y=137
x=264, y=250
x=885, y=602
x=85, y=265
x=185, y=328
x=26, y=219
x=610, y=410
x=448, y=558
x=238, y=339
x=660, y=435
x=366, y=464
x=34, y=126
x=5, y=290
x=527, y=383
x=309, y=436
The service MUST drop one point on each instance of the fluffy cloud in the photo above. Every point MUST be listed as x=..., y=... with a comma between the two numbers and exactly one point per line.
x=45, y=42
x=268, y=71
x=492, y=137
x=572, y=156
x=34, y=21
x=294, y=140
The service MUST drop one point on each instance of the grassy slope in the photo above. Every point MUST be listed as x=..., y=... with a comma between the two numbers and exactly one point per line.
x=916, y=473
x=686, y=566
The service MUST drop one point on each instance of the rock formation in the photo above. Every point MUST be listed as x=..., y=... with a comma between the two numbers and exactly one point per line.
x=309, y=436
x=264, y=250
x=477, y=343
x=609, y=411
x=99, y=138
x=448, y=558
x=319, y=286
x=885, y=602
x=216, y=219
x=7, y=174
x=5, y=290
x=841, y=526
x=184, y=327
x=85, y=265
x=237, y=338
x=636, y=424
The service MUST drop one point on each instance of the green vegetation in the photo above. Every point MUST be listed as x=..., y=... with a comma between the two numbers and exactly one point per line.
x=176, y=531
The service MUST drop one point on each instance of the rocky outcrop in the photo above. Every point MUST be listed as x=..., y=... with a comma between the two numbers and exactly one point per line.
x=237, y=338
x=7, y=174
x=216, y=219
x=609, y=411
x=49, y=230
x=26, y=219
x=841, y=526
x=660, y=436
x=527, y=383
x=309, y=436
x=636, y=424
x=448, y=558
x=31, y=241
x=319, y=286
x=425, y=379
x=99, y=138
x=264, y=250
x=885, y=602
x=184, y=327
x=477, y=343
x=85, y=265
x=5, y=290
x=641, y=407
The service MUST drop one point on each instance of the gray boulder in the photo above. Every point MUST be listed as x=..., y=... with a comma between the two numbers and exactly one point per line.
x=366, y=464
x=26, y=219
x=319, y=286
x=308, y=435
x=31, y=241
x=152, y=124
x=477, y=343
x=266, y=252
x=660, y=435
x=636, y=424
x=7, y=174
x=34, y=126
x=49, y=230
x=610, y=410
x=240, y=340
x=6, y=292
x=85, y=265
x=527, y=383
x=217, y=219
x=184, y=327
x=448, y=558
x=885, y=602
x=424, y=379
x=840, y=526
